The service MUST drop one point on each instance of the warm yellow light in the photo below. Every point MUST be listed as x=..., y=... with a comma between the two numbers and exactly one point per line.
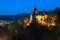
x=45, y=20
x=45, y=16
x=53, y=24
x=27, y=22
x=42, y=20
x=30, y=18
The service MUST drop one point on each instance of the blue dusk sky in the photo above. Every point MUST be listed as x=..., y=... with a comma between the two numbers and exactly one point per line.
x=13, y=7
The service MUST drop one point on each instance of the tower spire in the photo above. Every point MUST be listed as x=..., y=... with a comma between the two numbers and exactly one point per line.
x=35, y=9
x=34, y=13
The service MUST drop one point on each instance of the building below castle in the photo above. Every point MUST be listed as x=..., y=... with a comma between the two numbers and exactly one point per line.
x=3, y=23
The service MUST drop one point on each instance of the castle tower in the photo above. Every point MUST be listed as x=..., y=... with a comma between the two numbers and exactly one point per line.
x=35, y=10
x=34, y=13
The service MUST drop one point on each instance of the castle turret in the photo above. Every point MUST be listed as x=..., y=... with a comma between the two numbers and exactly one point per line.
x=35, y=10
x=34, y=14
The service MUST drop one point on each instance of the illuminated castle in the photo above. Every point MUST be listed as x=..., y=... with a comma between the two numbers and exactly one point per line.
x=41, y=19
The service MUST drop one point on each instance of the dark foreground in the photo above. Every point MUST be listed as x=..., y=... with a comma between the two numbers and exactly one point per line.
x=32, y=32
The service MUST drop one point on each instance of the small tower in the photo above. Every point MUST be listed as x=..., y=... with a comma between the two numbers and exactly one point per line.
x=34, y=14
x=35, y=10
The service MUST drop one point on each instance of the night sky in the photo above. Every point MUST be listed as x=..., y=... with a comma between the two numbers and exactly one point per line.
x=12, y=7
